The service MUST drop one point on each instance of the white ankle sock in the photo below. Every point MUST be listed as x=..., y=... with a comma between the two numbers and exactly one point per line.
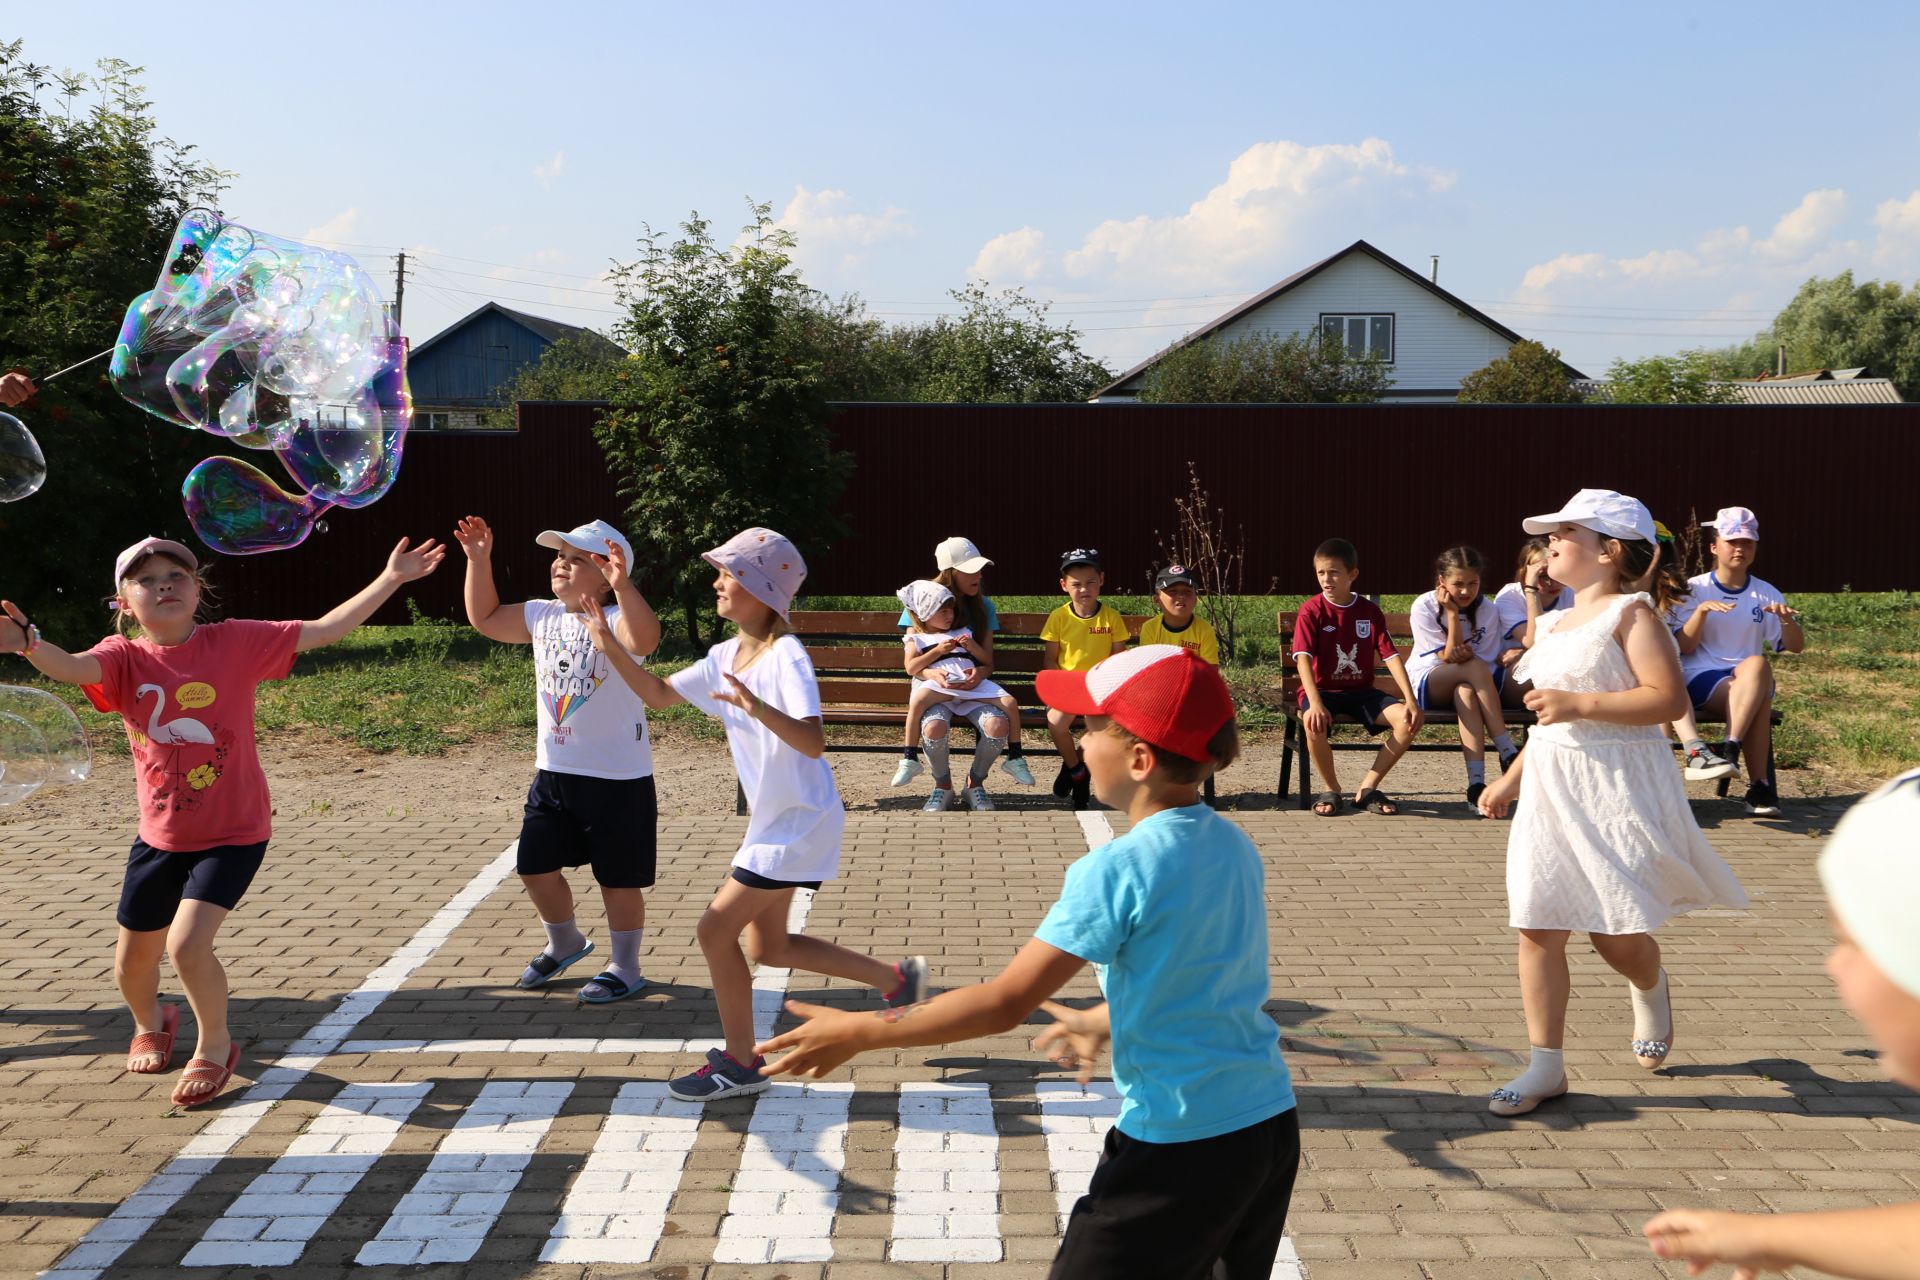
x=625, y=964
x=1652, y=1014
x=563, y=938
x=1546, y=1071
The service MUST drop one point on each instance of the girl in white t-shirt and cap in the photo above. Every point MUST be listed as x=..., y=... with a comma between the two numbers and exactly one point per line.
x=760, y=684
x=1871, y=871
x=1603, y=842
x=943, y=658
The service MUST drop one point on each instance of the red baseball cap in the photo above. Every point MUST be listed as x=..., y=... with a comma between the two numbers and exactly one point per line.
x=1160, y=693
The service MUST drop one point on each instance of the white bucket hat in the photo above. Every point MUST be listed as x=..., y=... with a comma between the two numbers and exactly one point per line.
x=1606, y=512
x=958, y=553
x=767, y=565
x=923, y=598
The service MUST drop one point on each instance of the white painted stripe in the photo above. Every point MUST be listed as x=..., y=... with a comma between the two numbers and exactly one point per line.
x=623, y=1047
x=947, y=1185
x=1075, y=1122
x=770, y=985
x=270, y=1223
x=102, y=1246
x=466, y=1185
x=616, y=1208
x=1095, y=827
x=787, y=1188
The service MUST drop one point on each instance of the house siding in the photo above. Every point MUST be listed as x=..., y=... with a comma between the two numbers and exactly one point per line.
x=468, y=367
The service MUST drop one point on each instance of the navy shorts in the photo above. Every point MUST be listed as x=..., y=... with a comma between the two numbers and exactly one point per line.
x=754, y=880
x=157, y=880
x=1364, y=705
x=571, y=820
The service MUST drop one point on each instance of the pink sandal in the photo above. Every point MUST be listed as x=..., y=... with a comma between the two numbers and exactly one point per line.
x=158, y=1043
x=201, y=1070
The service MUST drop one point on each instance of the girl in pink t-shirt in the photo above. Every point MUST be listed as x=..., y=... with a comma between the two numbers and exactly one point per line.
x=185, y=690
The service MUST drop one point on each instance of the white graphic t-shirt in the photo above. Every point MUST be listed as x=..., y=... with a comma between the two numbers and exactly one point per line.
x=1729, y=638
x=591, y=723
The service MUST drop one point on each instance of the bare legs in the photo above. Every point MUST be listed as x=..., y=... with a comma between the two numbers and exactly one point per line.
x=1545, y=983
x=189, y=942
x=1476, y=703
x=1746, y=703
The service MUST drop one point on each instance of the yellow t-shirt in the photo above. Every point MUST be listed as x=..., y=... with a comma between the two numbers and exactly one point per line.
x=1198, y=637
x=1084, y=641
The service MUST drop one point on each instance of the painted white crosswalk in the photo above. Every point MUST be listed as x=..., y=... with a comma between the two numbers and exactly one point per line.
x=616, y=1210
x=946, y=1187
x=786, y=1192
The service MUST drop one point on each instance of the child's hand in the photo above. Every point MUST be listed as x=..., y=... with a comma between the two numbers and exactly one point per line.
x=1511, y=657
x=1458, y=653
x=1072, y=1041
x=405, y=566
x=1318, y=719
x=1778, y=610
x=613, y=565
x=1716, y=606
x=13, y=628
x=1702, y=1238
x=596, y=620
x=824, y=1040
x=1498, y=798
x=16, y=388
x=738, y=696
x=1554, y=706
x=475, y=538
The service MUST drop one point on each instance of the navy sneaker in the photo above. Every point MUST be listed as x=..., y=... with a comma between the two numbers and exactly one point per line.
x=722, y=1077
x=1063, y=781
x=1763, y=801
x=913, y=982
x=1473, y=796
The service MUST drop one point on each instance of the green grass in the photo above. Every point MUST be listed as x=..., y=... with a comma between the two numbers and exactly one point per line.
x=1852, y=701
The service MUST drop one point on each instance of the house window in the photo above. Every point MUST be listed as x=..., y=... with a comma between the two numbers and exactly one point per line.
x=1364, y=335
x=430, y=420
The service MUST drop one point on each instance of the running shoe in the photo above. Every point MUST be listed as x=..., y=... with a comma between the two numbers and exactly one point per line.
x=722, y=1077
x=1015, y=767
x=1762, y=802
x=1704, y=766
x=908, y=770
x=978, y=800
x=939, y=802
x=913, y=982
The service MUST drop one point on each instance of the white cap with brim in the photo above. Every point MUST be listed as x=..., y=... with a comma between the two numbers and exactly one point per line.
x=1610, y=514
x=1871, y=870
x=591, y=537
x=1734, y=522
x=149, y=546
x=959, y=553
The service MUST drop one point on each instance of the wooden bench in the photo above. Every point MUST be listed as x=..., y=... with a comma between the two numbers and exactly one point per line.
x=1400, y=628
x=856, y=656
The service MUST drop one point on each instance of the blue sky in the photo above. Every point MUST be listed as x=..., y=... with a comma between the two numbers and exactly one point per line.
x=1616, y=179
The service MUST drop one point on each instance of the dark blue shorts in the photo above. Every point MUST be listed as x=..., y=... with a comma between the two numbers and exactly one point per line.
x=157, y=880
x=1704, y=684
x=754, y=880
x=1363, y=705
x=571, y=820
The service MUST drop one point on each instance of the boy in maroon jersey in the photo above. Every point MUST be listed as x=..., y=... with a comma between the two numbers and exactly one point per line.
x=1340, y=635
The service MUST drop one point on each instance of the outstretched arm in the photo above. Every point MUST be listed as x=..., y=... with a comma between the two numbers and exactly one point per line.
x=19, y=635
x=638, y=626
x=830, y=1037
x=506, y=623
x=403, y=566
x=1881, y=1243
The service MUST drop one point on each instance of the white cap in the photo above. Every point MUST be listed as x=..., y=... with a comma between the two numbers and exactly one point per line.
x=1610, y=514
x=1734, y=522
x=923, y=598
x=149, y=546
x=591, y=537
x=1871, y=870
x=958, y=553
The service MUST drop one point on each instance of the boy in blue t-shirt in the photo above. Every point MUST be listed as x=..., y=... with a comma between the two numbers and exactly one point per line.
x=1199, y=1167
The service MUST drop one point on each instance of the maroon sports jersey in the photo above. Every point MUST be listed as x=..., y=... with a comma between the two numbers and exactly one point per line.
x=1343, y=640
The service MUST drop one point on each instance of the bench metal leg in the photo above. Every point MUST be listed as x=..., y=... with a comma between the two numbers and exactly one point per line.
x=1286, y=764
x=1206, y=793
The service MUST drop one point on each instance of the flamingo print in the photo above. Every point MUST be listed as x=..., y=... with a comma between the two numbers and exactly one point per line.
x=174, y=733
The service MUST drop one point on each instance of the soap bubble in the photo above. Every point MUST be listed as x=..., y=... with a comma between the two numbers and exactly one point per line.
x=41, y=743
x=275, y=345
x=23, y=468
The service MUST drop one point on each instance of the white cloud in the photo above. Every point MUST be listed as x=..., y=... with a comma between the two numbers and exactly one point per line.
x=1015, y=255
x=827, y=223
x=1568, y=266
x=341, y=228
x=1806, y=226
x=1899, y=217
x=546, y=173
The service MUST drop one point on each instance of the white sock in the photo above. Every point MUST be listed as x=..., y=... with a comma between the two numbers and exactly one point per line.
x=1546, y=1072
x=1476, y=771
x=1652, y=1014
x=1503, y=743
x=625, y=964
x=563, y=938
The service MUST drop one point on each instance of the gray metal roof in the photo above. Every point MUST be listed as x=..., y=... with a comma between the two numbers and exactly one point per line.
x=1809, y=390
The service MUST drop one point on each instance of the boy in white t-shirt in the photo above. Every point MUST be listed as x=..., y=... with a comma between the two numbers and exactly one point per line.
x=592, y=799
x=1726, y=629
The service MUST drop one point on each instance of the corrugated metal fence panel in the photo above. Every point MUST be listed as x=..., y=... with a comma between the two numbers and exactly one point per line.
x=1027, y=482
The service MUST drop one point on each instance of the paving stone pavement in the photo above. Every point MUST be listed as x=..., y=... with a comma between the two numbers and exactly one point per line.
x=410, y=1108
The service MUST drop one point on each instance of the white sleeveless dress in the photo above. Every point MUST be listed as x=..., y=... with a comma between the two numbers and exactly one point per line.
x=1603, y=840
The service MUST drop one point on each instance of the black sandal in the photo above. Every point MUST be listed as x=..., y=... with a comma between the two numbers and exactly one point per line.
x=1328, y=803
x=1377, y=801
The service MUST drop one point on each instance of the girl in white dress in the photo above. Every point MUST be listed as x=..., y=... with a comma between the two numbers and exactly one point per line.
x=1603, y=840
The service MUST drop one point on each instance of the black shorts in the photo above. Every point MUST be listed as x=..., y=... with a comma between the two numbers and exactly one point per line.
x=1207, y=1210
x=754, y=880
x=157, y=880
x=1363, y=705
x=571, y=820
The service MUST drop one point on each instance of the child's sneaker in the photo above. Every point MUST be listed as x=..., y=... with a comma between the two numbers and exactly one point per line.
x=1473, y=795
x=939, y=802
x=913, y=982
x=1762, y=802
x=908, y=770
x=722, y=1077
x=1704, y=766
x=978, y=800
x=1506, y=760
x=1063, y=781
x=1082, y=789
x=1015, y=767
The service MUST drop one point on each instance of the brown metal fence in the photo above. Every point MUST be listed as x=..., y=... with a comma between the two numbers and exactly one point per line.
x=1832, y=486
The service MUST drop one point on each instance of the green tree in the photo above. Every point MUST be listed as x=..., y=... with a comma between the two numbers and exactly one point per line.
x=1263, y=368
x=580, y=366
x=1692, y=377
x=1838, y=324
x=718, y=420
x=1528, y=374
x=1000, y=349
x=89, y=194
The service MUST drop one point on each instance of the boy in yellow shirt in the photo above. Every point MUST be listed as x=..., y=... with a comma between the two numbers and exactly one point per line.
x=1177, y=592
x=1078, y=634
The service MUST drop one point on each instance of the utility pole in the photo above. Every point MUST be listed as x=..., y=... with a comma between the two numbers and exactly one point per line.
x=399, y=287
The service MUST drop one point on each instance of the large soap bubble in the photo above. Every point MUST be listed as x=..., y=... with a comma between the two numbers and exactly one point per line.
x=23, y=468
x=41, y=743
x=275, y=345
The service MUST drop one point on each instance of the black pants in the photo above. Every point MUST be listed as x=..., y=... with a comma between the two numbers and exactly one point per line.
x=1207, y=1210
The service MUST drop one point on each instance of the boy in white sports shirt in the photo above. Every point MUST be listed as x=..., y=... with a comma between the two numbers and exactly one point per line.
x=1726, y=630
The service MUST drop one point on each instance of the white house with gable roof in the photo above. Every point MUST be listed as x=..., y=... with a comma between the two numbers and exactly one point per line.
x=1430, y=338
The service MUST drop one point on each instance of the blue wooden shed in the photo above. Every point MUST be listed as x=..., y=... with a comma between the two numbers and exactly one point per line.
x=460, y=371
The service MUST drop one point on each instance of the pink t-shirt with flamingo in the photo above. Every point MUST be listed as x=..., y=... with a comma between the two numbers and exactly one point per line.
x=188, y=709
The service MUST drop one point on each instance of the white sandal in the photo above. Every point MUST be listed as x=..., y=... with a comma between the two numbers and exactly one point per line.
x=1505, y=1102
x=1652, y=1053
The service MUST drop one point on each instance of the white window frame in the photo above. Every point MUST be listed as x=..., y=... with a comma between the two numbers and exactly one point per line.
x=1346, y=318
x=424, y=420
